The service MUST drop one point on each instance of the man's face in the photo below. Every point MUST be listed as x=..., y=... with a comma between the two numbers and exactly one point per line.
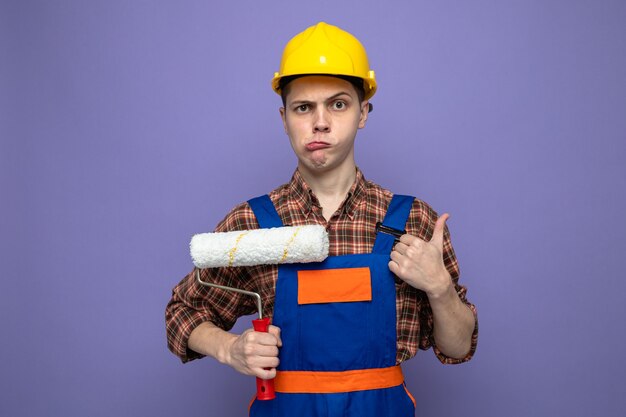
x=321, y=117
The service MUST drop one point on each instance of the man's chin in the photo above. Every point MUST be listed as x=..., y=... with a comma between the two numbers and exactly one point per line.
x=317, y=164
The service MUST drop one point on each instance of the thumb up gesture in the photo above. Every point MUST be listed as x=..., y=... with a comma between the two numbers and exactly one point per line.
x=420, y=263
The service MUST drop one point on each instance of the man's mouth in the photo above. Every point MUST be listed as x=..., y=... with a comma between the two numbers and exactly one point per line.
x=314, y=146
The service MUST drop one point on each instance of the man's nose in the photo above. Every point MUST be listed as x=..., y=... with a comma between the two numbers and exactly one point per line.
x=321, y=123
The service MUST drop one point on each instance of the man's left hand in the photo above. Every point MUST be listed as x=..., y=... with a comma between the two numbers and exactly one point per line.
x=420, y=263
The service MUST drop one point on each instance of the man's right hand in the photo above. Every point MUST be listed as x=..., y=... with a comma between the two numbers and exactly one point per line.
x=248, y=353
x=255, y=353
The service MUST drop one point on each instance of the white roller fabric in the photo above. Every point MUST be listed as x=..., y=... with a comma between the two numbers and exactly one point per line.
x=290, y=244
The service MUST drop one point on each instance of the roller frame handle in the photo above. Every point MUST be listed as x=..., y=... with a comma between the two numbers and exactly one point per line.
x=264, y=387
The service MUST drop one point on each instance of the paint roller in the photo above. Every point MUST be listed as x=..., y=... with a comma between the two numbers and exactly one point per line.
x=278, y=245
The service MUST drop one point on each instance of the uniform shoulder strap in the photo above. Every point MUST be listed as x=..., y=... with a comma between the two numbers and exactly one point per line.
x=265, y=212
x=396, y=218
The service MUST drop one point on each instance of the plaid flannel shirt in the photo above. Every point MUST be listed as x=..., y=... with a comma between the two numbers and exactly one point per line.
x=351, y=231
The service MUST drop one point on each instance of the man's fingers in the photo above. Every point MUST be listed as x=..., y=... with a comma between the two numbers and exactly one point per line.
x=395, y=256
x=266, y=351
x=396, y=263
x=272, y=334
x=394, y=267
x=265, y=373
x=253, y=336
x=276, y=332
x=400, y=248
x=260, y=350
x=406, y=239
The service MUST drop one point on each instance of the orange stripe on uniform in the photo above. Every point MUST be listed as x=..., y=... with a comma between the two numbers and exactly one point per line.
x=410, y=395
x=251, y=402
x=334, y=285
x=309, y=382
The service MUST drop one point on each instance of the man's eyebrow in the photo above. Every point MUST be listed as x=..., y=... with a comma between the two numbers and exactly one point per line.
x=341, y=93
x=334, y=96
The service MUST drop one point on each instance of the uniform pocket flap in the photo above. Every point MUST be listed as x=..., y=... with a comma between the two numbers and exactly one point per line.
x=334, y=285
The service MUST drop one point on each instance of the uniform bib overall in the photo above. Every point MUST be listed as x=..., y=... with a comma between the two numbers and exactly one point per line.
x=338, y=328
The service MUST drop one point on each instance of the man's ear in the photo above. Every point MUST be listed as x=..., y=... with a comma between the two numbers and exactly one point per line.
x=365, y=109
x=283, y=116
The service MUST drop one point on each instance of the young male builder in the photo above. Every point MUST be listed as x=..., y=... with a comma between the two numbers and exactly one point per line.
x=339, y=356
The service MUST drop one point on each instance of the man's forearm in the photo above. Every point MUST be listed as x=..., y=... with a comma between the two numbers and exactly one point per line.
x=208, y=339
x=453, y=324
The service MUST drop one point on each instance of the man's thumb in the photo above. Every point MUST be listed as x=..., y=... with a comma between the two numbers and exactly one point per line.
x=440, y=226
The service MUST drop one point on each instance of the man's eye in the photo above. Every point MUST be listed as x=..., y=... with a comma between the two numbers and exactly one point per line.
x=339, y=105
x=302, y=108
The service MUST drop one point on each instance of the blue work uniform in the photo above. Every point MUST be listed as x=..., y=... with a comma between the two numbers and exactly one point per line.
x=338, y=356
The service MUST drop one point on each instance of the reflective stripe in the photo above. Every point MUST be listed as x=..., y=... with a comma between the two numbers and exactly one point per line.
x=334, y=285
x=323, y=382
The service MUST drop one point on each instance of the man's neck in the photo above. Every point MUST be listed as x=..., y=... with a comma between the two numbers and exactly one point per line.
x=330, y=187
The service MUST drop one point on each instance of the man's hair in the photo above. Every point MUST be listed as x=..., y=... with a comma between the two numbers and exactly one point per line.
x=355, y=81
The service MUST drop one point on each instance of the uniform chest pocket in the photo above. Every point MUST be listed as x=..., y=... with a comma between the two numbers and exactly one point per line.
x=341, y=285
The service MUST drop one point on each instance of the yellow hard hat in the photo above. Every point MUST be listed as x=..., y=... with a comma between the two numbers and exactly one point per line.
x=326, y=49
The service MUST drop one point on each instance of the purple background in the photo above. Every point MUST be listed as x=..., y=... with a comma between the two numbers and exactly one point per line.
x=126, y=127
